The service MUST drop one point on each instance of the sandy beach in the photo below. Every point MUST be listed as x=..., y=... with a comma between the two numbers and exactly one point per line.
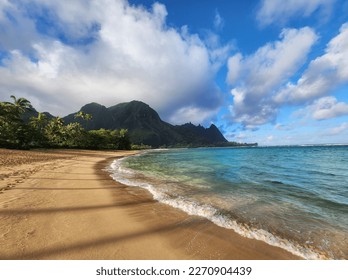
x=62, y=204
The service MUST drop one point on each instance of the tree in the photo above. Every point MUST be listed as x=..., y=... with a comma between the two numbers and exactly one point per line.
x=84, y=116
x=13, y=131
x=123, y=140
x=109, y=139
x=20, y=105
x=41, y=132
x=55, y=133
x=39, y=122
x=75, y=136
x=38, y=125
x=102, y=139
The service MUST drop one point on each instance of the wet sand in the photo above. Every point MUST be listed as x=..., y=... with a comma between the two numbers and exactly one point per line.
x=62, y=204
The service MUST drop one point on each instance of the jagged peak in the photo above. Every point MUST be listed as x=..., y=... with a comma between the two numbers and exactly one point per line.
x=214, y=127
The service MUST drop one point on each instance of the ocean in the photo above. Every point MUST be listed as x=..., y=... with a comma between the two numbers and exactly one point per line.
x=293, y=197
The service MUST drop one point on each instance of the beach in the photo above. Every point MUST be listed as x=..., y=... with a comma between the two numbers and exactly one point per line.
x=63, y=204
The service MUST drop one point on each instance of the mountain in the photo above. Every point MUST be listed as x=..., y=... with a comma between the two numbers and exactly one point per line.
x=146, y=127
x=28, y=114
x=200, y=135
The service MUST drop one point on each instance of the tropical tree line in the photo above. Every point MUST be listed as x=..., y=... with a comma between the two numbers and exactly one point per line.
x=44, y=132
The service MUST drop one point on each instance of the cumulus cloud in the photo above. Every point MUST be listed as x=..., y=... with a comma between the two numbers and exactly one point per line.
x=106, y=51
x=324, y=108
x=257, y=77
x=279, y=11
x=323, y=75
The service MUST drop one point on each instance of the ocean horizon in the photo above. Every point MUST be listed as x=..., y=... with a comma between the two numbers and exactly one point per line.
x=292, y=197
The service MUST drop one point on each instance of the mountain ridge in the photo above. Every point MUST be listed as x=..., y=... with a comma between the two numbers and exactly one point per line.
x=146, y=127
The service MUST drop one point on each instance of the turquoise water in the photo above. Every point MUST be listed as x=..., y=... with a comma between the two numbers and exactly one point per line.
x=295, y=198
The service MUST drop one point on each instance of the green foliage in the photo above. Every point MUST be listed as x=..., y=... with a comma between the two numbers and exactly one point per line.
x=13, y=131
x=83, y=116
x=145, y=126
x=43, y=132
x=20, y=127
x=109, y=139
x=56, y=132
x=38, y=126
x=140, y=147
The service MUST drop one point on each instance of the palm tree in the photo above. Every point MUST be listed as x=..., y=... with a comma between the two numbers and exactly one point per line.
x=5, y=109
x=39, y=121
x=21, y=104
x=84, y=116
x=38, y=125
x=13, y=130
x=54, y=131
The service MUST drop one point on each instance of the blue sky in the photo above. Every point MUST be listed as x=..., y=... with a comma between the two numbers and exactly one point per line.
x=268, y=71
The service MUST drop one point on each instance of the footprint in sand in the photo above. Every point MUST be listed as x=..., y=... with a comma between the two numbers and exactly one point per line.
x=3, y=176
x=31, y=233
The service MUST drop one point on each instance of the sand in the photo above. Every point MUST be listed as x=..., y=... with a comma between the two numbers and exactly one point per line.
x=62, y=204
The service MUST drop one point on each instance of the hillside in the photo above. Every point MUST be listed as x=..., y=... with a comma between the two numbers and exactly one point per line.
x=146, y=127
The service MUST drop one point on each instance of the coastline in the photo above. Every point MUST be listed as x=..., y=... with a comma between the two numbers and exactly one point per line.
x=67, y=207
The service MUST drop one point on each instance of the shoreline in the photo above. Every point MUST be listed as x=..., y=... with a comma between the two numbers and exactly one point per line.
x=68, y=208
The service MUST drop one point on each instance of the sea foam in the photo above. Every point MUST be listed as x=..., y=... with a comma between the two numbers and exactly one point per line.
x=131, y=178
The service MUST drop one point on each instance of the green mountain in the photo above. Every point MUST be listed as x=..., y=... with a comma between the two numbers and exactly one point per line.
x=28, y=114
x=146, y=127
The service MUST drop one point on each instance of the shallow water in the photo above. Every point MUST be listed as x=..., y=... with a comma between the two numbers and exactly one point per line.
x=295, y=198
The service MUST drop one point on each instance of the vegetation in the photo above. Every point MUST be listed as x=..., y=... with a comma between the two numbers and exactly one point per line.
x=132, y=125
x=145, y=126
x=44, y=132
x=140, y=147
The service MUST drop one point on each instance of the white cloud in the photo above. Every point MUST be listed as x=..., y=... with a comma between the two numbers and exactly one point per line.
x=234, y=65
x=280, y=11
x=108, y=52
x=285, y=127
x=194, y=114
x=218, y=52
x=338, y=129
x=323, y=75
x=17, y=31
x=257, y=77
x=328, y=108
x=324, y=108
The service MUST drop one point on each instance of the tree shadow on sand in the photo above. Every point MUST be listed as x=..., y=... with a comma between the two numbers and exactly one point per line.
x=44, y=211
x=92, y=244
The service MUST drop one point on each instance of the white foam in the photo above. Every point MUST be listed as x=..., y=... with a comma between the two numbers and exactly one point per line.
x=127, y=177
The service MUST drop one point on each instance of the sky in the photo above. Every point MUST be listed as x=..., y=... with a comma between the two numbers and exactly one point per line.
x=268, y=71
